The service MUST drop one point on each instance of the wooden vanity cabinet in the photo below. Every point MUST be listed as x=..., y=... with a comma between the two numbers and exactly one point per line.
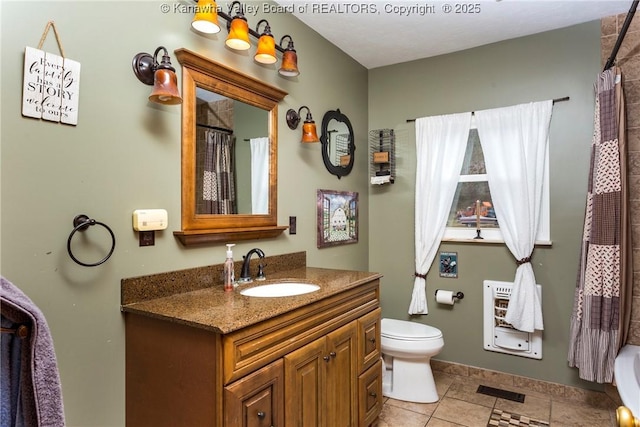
x=370, y=394
x=320, y=381
x=314, y=366
x=256, y=400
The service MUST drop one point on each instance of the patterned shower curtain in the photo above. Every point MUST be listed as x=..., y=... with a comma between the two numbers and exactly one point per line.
x=219, y=189
x=602, y=301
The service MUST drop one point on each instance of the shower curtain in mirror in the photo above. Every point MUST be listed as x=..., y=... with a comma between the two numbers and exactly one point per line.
x=602, y=301
x=441, y=142
x=219, y=192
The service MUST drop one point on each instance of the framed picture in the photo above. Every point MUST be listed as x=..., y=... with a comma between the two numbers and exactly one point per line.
x=449, y=264
x=337, y=218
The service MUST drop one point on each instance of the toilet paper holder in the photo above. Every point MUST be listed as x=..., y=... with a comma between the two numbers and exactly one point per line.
x=456, y=295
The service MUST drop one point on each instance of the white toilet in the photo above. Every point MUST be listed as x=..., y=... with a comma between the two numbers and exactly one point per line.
x=407, y=348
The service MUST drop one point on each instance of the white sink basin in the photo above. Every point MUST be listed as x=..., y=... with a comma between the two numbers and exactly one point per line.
x=284, y=289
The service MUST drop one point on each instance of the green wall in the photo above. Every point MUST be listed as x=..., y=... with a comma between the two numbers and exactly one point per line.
x=543, y=66
x=123, y=155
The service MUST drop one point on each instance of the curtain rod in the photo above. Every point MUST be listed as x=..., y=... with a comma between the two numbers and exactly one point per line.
x=623, y=32
x=214, y=127
x=566, y=98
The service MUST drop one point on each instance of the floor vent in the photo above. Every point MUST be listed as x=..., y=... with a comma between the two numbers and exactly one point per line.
x=502, y=394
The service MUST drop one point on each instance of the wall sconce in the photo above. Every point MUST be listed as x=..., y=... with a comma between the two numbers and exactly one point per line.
x=161, y=75
x=266, y=53
x=289, y=67
x=238, y=37
x=206, y=17
x=309, y=133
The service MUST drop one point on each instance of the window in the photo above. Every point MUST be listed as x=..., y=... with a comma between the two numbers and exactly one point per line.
x=472, y=194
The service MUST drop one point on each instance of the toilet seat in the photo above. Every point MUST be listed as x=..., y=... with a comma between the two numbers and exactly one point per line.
x=408, y=331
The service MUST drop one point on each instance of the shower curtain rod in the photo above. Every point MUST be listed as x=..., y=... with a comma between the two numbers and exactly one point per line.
x=215, y=127
x=566, y=98
x=623, y=32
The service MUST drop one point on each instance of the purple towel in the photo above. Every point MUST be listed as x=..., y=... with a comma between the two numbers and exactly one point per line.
x=40, y=391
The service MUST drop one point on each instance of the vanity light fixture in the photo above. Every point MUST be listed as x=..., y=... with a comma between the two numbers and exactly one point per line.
x=309, y=132
x=238, y=37
x=205, y=21
x=266, y=53
x=206, y=18
x=289, y=67
x=161, y=75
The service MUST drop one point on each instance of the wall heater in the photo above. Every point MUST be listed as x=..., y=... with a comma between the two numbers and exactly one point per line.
x=499, y=335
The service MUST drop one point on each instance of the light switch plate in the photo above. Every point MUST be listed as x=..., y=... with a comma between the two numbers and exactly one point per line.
x=292, y=225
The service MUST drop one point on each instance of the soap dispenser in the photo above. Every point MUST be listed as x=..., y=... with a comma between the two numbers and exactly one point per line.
x=229, y=267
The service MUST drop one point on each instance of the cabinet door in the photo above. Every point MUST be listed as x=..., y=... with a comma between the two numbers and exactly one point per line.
x=368, y=339
x=257, y=399
x=304, y=389
x=370, y=394
x=342, y=403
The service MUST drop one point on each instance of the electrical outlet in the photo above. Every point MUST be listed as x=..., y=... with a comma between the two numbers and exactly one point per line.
x=147, y=238
x=292, y=225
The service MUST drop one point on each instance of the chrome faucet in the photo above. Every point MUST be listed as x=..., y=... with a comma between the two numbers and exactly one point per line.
x=245, y=275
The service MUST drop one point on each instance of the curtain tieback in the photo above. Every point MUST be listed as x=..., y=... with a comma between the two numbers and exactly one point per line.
x=422, y=276
x=519, y=262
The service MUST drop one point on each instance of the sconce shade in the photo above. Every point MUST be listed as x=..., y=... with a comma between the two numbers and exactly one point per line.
x=266, y=52
x=289, y=67
x=238, y=37
x=165, y=88
x=206, y=17
x=161, y=75
x=309, y=133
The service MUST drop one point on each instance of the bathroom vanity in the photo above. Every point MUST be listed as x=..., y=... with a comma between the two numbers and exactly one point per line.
x=205, y=357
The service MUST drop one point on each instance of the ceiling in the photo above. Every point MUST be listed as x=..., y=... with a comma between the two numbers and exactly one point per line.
x=378, y=33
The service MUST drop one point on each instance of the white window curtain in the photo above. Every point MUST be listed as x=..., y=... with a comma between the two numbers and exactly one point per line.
x=515, y=143
x=259, y=175
x=441, y=142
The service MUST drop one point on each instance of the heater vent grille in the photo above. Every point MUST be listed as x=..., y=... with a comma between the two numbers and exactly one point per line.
x=500, y=336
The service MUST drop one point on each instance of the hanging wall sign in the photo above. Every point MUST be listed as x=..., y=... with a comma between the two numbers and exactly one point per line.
x=51, y=84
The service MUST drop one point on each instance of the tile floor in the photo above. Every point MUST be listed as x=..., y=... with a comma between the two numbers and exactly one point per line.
x=460, y=405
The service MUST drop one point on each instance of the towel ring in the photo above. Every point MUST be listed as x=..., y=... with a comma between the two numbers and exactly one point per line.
x=81, y=223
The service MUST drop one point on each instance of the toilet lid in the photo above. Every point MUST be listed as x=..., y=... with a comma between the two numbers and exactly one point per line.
x=402, y=329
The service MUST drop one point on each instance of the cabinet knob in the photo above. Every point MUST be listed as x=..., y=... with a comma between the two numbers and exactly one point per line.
x=332, y=354
x=261, y=415
x=373, y=340
x=326, y=358
x=373, y=394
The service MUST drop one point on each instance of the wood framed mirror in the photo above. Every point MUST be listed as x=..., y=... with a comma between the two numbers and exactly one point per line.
x=226, y=110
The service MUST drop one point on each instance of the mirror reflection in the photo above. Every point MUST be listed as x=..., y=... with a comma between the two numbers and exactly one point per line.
x=232, y=156
x=339, y=141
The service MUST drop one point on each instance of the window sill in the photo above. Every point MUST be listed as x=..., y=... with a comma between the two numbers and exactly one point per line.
x=491, y=241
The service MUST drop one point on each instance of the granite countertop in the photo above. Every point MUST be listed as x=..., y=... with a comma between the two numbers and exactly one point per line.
x=214, y=309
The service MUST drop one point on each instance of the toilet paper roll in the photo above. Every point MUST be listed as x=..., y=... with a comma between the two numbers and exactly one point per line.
x=444, y=297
